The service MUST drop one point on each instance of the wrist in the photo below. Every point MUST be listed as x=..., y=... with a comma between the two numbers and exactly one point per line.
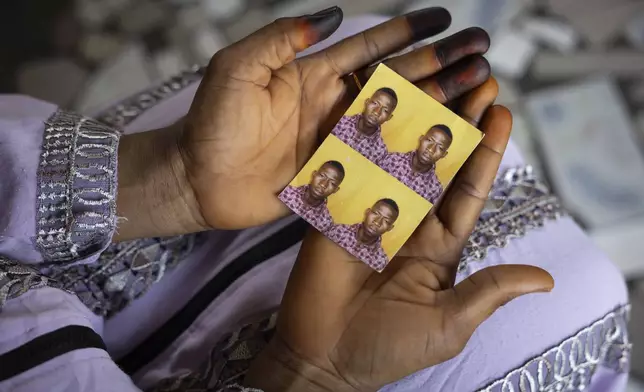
x=278, y=369
x=154, y=198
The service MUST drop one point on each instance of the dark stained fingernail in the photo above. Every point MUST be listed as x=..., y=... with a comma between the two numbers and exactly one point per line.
x=462, y=44
x=428, y=22
x=463, y=76
x=322, y=24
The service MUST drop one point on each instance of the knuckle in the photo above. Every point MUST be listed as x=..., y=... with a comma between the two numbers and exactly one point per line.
x=220, y=58
x=371, y=46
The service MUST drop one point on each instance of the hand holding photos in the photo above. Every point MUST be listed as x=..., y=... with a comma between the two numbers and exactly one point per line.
x=394, y=152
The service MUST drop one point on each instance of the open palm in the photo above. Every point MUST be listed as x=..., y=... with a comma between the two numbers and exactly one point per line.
x=367, y=329
x=260, y=113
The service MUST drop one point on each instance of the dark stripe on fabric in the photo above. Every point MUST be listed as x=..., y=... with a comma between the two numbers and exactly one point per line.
x=156, y=343
x=47, y=347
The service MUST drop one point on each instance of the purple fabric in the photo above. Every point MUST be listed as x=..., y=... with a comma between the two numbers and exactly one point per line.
x=347, y=237
x=318, y=216
x=21, y=127
x=371, y=146
x=425, y=184
x=587, y=285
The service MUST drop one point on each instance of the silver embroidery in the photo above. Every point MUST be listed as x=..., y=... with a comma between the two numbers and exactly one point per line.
x=127, y=111
x=518, y=202
x=239, y=388
x=77, y=188
x=16, y=279
x=570, y=365
x=78, y=169
x=566, y=367
x=123, y=272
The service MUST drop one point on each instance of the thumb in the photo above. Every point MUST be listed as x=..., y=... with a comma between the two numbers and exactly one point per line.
x=253, y=58
x=477, y=297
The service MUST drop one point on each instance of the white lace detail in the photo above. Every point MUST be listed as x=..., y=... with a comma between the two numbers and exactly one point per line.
x=77, y=188
x=518, y=202
x=16, y=279
x=571, y=365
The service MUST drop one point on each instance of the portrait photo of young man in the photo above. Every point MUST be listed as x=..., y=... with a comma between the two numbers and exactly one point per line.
x=362, y=131
x=310, y=201
x=364, y=239
x=417, y=168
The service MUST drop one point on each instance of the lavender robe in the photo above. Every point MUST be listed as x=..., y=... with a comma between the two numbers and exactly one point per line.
x=580, y=325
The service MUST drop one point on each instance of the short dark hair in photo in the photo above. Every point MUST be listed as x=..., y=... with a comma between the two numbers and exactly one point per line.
x=391, y=204
x=388, y=91
x=445, y=129
x=337, y=165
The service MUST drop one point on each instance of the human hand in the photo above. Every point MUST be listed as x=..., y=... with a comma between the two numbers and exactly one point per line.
x=344, y=327
x=260, y=113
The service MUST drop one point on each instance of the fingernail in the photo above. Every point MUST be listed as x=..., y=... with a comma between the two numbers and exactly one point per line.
x=464, y=43
x=324, y=22
x=428, y=22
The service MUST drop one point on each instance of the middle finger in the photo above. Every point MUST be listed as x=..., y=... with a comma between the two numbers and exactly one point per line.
x=430, y=59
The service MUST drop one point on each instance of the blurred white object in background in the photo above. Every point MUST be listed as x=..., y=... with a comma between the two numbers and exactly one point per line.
x=98, y=47
x=511, y=53
x=168, y=63
x=92, y=13
x=490, y=15
x=249, y=22
x=143, y=17
x=598, y=21
x=223, y=9
x=119, y=78
x=206, y=42
x=617, y=62
x=508, y=92
x=349, y=8
x=550, y=32
x=589, y=146
x=624, y=244
x=35, y=78
x=635, y=30
x=523, y=137
x=639, y=121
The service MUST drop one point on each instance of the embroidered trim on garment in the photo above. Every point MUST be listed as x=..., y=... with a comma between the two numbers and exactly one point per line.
x=518, y=202
x=127, y=111
x=123, y=272
x=239, y=388
x=228, y=361
x=76, y=201
x=570, y=365
x=16, y=279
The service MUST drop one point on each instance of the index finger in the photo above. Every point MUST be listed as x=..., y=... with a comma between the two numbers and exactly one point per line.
x=390, y=37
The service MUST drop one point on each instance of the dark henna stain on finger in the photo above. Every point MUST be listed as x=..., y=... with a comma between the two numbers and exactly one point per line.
x=428, y=22
x=462, y=44
x=321, y=25
x=463, y=76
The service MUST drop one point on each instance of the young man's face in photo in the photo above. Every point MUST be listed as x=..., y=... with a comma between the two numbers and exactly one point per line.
x=379, y=219
x=325, y=181
x=378, y=109
x=433, y=146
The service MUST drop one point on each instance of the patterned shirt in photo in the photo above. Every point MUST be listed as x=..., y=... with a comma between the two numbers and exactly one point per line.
x=347, y=237
x=372, y=147
x=318, y=216
x=425, y=184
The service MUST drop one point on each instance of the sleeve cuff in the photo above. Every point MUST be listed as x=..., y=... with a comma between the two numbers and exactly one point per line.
x=77, y=186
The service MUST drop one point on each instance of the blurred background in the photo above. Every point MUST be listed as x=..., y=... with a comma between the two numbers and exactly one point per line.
x=572, y=71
